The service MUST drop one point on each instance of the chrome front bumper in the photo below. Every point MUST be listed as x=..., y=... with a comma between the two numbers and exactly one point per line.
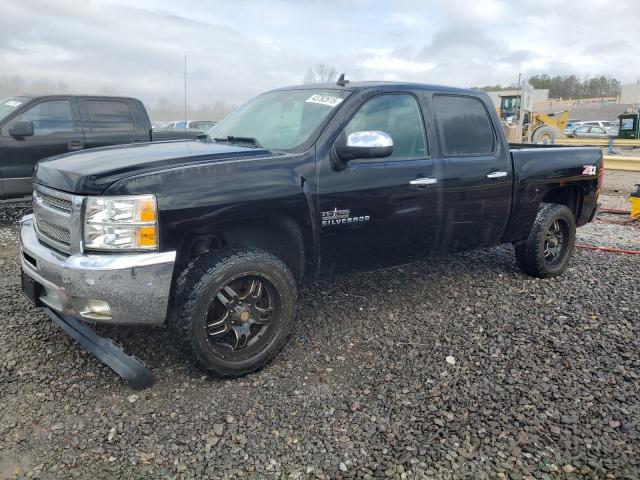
x=136, y=287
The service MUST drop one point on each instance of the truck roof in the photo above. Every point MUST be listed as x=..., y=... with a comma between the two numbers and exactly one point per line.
x=355, y=86
x=57, y=95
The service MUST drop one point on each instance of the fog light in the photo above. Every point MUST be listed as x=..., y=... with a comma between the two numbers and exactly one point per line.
x=92, y=308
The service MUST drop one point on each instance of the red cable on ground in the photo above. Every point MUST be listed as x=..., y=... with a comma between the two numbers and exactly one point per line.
x=615, y=210
x=631, y=222
x=609, y=249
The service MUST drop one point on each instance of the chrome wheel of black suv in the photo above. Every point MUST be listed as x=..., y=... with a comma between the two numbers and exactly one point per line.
x=233, y=310
x=547, y=250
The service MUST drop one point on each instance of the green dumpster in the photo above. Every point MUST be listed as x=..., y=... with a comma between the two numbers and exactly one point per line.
x=629, y=126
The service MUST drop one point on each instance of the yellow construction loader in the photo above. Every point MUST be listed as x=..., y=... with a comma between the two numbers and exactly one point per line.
x=537, y=127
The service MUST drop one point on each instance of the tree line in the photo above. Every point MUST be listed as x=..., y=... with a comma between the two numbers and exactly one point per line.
x=570, y=86
x=165, y=109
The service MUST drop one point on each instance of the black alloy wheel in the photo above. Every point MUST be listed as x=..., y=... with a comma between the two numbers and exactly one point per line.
x=241, y=313
x=554, y=245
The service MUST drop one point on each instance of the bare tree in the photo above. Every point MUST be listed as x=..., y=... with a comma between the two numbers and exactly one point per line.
x=321, y=73
x=16, y=85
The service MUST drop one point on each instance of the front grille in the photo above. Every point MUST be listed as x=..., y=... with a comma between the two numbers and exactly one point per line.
x=54, y=232
x=54, y=202
x=53, y=212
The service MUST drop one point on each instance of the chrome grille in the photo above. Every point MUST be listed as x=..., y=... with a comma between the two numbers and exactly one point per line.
x=54, y=213
x=54, y=202
x=54, y=232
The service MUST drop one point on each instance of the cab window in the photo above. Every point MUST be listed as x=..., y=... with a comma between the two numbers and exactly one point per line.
x=109, y=116
x=398, y=115
x=49, y=117
x=465, y=124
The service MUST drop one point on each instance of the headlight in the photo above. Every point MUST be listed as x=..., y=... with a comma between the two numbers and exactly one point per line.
x=121, y=223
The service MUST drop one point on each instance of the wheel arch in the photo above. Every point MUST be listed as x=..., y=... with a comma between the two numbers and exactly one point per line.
x=569, y=196
x=278, y=234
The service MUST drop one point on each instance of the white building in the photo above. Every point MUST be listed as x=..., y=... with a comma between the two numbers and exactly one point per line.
x=630, y=93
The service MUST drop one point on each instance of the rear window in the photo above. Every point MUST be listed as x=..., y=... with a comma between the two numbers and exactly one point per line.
x=109, y=116
x=465, y=124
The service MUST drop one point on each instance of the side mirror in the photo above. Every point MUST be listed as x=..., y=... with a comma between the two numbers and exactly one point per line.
x=369, y=144
x=21, y=129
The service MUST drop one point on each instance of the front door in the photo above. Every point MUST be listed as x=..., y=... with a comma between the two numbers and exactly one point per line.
x=378, y=212
x=54, y=132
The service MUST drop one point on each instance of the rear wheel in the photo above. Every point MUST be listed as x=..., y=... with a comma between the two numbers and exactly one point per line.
x=234, y=310
x=547, y=250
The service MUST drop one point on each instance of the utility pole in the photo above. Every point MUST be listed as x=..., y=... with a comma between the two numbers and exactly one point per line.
x=185, y=92
x=521, y=111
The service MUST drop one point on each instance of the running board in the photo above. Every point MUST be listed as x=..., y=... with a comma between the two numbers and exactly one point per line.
x=128, y=367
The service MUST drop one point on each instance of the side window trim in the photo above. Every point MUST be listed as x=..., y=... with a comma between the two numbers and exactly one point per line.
x=443, y=143
x=423, y=120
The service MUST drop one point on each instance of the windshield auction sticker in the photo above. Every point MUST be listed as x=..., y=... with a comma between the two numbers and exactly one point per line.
x=328, y=100
x=13, y=103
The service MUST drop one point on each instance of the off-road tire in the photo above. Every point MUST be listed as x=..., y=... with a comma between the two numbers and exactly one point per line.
x=545, y=132
x=199, y=282
x=530, y=252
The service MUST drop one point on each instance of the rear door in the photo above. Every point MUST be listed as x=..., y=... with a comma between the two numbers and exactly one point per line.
x=582, y=131
x=111, y=122
x=372, y=212
x=476, y=173
x=55, y=131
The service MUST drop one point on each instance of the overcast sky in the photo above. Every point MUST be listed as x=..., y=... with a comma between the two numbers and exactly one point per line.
x=237, y=49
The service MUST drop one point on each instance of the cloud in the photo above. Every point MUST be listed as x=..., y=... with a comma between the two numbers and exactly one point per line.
x=238, y=49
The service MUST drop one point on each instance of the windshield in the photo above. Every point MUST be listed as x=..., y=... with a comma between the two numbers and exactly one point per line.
x=281, y=120
x=9, y=104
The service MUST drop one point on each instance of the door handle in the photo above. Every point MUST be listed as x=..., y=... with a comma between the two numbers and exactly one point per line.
x=75, y=145
x=423, y=181
x=497, y=174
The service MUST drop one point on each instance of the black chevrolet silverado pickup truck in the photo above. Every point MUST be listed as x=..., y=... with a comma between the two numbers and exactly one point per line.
x=36, y=127
x=213, y=236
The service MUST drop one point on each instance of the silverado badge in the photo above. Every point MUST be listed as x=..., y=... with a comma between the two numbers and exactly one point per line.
x=338, y=217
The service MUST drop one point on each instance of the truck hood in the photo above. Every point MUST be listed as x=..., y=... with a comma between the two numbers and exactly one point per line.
x=90, y=172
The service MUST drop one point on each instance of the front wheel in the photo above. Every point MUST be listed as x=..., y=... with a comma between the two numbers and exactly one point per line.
x=233, y=310
x=547, y=250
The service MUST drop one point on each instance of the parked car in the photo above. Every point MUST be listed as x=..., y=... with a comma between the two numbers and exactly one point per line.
x=33, y=128
x=586, y=131
x=571, y=124
x=213, y=236
x=599, y=123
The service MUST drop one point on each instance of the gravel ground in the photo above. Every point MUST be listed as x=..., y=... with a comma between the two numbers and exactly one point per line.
x=458, y=368
x=10, y=213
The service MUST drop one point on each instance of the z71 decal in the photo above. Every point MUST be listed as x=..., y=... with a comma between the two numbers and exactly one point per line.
x=339, y=217
x=589, y=170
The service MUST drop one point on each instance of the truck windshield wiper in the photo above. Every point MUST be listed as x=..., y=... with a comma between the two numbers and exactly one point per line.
x=234, y=139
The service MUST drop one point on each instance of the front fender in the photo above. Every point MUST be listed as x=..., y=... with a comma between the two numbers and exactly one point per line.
x=201, y=199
